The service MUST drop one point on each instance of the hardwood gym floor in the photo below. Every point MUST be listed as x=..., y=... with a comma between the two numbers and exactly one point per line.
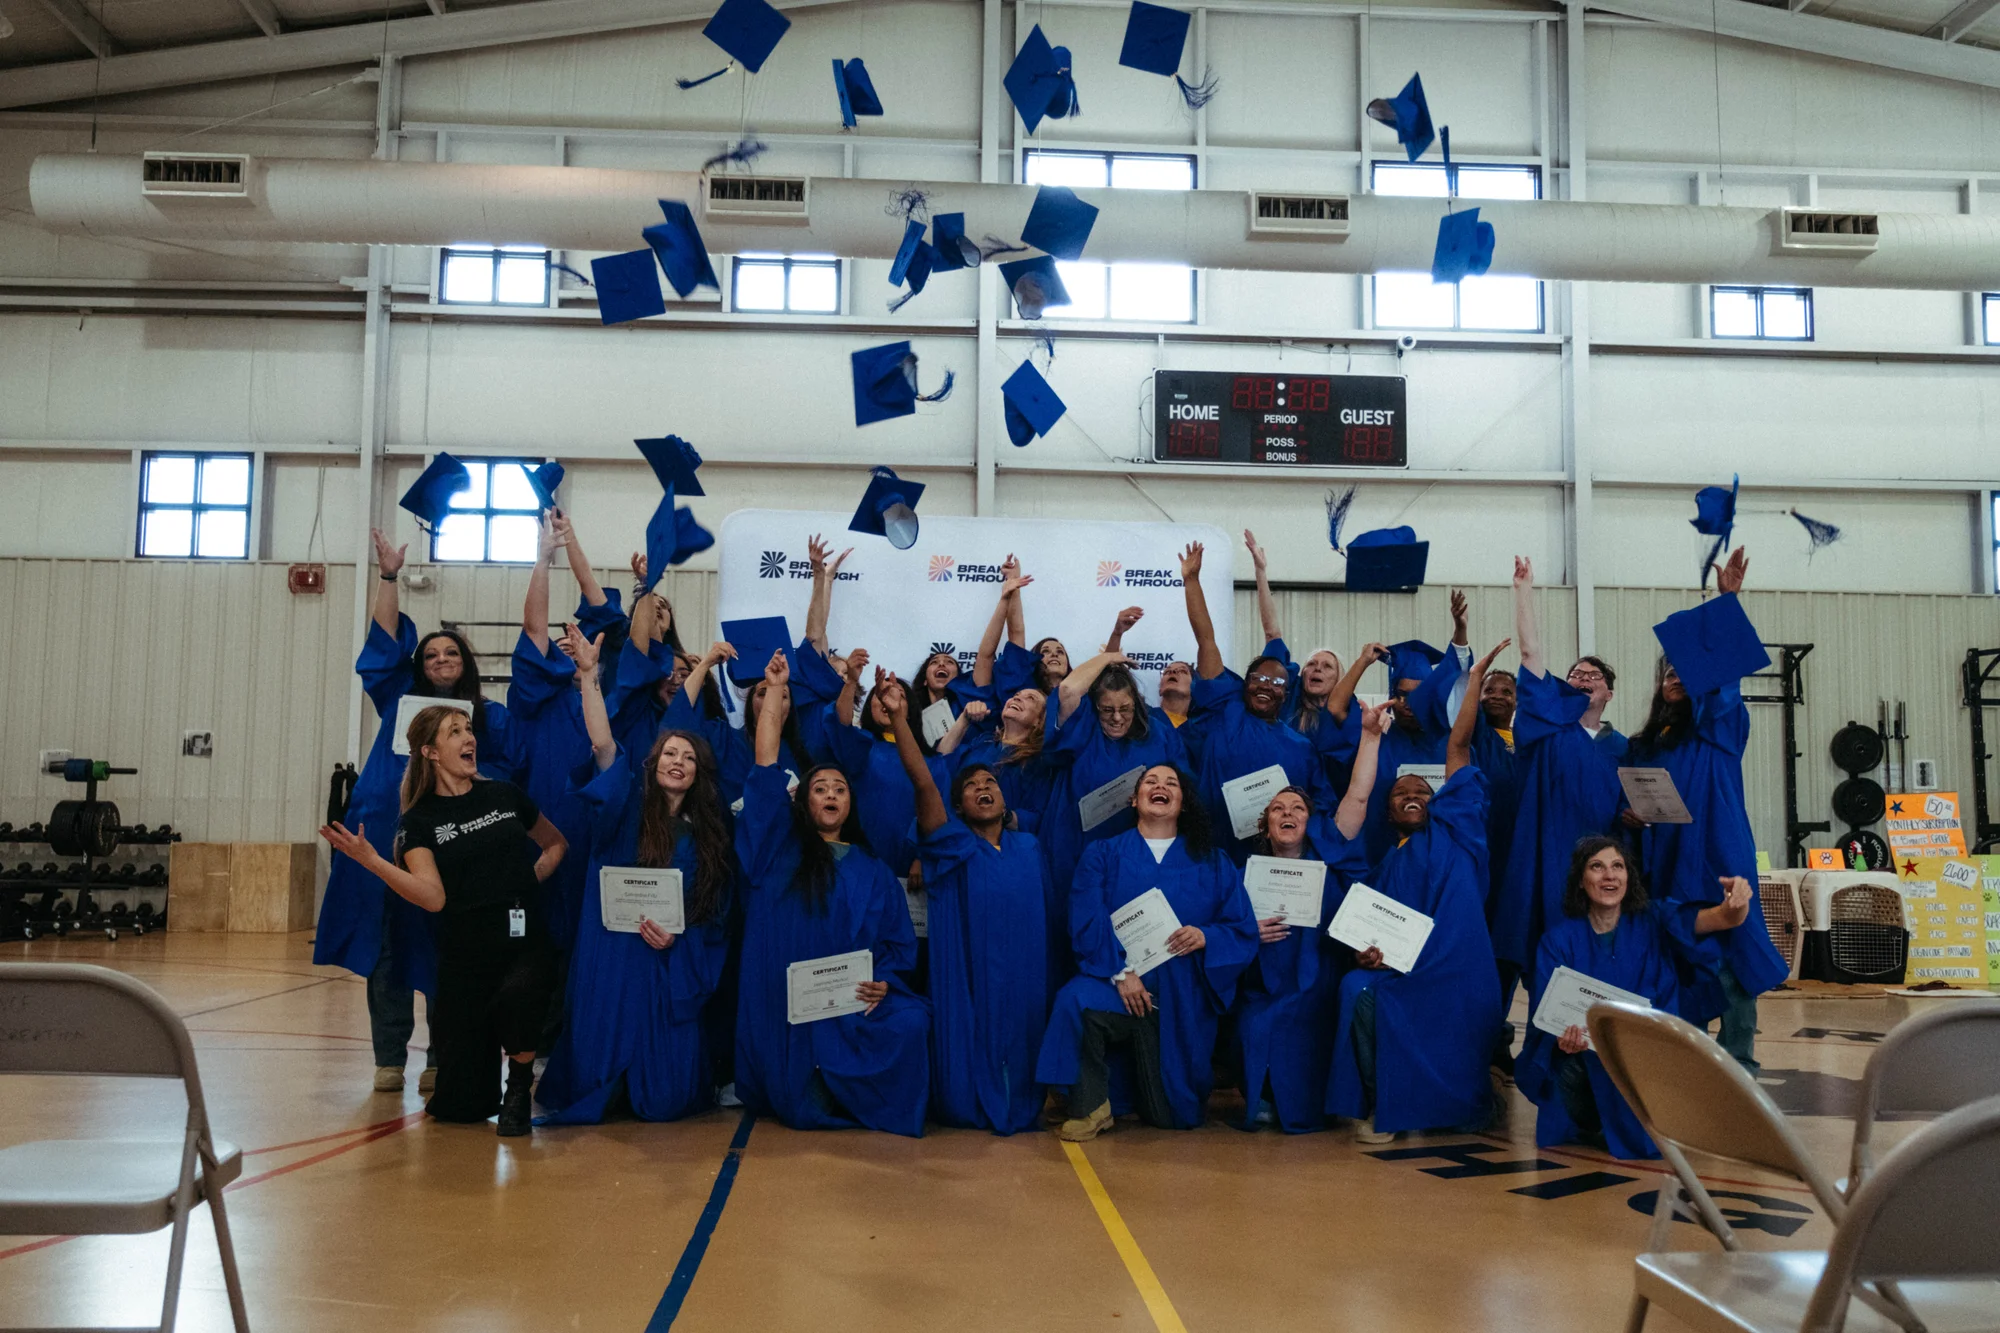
x=355, y=1212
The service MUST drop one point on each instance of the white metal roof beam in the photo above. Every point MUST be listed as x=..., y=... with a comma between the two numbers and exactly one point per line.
x=1821, y=36
x=82, y=26
x=1961, y=20
x=351, y=44
x=264, y=14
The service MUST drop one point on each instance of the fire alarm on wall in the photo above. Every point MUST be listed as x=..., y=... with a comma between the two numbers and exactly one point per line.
x=306, y=578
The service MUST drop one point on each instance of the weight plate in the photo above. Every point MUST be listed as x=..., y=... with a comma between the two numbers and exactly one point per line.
x=1856, y=749
x=1858, y=801
x=1866, y=843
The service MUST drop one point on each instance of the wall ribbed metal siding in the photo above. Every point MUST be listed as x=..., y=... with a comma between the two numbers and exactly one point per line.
x=115, y=659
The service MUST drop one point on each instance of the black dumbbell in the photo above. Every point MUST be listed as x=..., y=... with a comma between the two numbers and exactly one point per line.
x=119, y=911
x=101, y=874
x=165, y=833
x=34, y=832
x=6, y=832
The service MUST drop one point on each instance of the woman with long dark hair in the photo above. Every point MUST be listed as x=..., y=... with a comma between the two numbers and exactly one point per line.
x=1167, y=1017
x=362, y=926
x=636, y=1000
x=461, y=855
x=813, y=891
x=1608, y=934
x=1315, y=704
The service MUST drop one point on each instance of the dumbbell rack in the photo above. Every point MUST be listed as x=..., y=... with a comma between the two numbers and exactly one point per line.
x=45, y=893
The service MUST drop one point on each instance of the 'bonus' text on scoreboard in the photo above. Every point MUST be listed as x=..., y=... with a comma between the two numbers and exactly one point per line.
x=1207, y=416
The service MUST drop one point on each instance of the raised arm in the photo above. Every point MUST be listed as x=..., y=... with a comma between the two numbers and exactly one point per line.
x=1526, y=632
x=1458, y=750
x=1207, y=657
x=535, y=606
x=698, y=673
x=1341, y=696
x=777, y=705
x=1729, y=577
x=389, y=566
x=1078, y=682
x=1267, y=607
x=596, y=717
x=825, y=572
x=579, y=563
x=954, y=735
x=850, y=689
x=1017, y=622
x=930, y=805
x=1127, y=618
x=1011, y=583
x=1353, y=811
x=416, y=880
x=646, y=628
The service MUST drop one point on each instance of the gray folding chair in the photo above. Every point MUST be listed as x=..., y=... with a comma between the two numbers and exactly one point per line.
x=69, y=1018
x=1925, y=1225
x=1691, y=1094
x=1930, y=1064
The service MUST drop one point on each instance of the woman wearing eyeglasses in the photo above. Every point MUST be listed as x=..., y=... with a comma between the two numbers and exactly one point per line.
x=1240, y=730
x=1319, y=704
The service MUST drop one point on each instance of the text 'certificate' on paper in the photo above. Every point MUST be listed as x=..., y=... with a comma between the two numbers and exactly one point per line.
x=1290, y=889
x=1371, y=920
x=627, y=893
x=1567, y=999
x=817, y=988
x=1246, y=797
x=1110, y=799
x=1653, y=796
x=1142, y=926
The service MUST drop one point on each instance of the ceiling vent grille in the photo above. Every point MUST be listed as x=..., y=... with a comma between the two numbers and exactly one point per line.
x=196, y=175
x=759, y=198
x=1822, y=231
x=1298, y=216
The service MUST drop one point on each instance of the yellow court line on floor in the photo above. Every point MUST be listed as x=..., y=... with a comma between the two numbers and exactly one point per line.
x=1165, y=1318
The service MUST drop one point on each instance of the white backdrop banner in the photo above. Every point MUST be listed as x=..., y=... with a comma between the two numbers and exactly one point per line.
x=938, y=595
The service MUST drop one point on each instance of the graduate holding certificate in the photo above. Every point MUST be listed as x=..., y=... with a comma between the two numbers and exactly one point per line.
x=1608, y=934
x=1166, y=1020
x=1411, y=1048
x=814, y=892
x=633, y=1036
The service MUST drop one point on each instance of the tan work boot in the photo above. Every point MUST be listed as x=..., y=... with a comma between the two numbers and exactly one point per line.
x=1083, y=1131
x=428, y=1080
x=388, y=1078
x=1365, y=1132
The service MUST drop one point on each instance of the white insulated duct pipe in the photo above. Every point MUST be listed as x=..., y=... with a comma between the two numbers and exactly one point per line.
x=591, y=208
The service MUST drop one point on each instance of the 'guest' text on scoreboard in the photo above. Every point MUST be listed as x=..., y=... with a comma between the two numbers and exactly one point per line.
x=1208, y=416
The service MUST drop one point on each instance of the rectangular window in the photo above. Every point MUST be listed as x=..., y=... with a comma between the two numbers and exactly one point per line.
x=1155, y=293
x=1494, y=304
x=1989, y=306
x=477, y=274
x=1782, y=314
x=194, y=506
x=495, y=519
x=792, y=284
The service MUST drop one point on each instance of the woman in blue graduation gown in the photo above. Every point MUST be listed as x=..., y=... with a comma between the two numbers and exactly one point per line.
x=864, y=752
x=1411, y=1049
x=1319, y=700
x=1167, y=1017
x=1704, y=873
x=1238, y=722
x=1012, y=748
x=1607, y=934
x=812, y=892
x=635, y=1000
x=985, y=908
x=362, y=926
x=731, y=744
x=1287, y=1001
x=1422, y=681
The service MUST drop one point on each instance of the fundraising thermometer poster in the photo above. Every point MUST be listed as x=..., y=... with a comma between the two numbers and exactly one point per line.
x=938, y=595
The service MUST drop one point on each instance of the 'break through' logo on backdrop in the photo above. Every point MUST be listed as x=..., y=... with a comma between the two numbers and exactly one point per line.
x=947, y=569
x=1113, y=574
x=1107, y=573
x=941, y=570
x=774, y=565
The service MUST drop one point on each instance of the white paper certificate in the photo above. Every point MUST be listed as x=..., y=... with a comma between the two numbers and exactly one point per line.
x=1247, y=796
x=1114, y=796
x=626, y=893
x=1653, y=797
x=937, y=720
x=1371, y=920
x=1567, y=999
x=1281, y=887
x=1431, y=773
x=1142, y=926
x=407, y=709
x=920, y=908
x=817, y=988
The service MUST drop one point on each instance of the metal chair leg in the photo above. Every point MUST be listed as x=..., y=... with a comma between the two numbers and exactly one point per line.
x=238, y=1313
x=1636, y=1320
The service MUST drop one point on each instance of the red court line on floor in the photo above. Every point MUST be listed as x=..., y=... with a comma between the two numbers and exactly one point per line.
x=400, y=1122
x=235, y=1004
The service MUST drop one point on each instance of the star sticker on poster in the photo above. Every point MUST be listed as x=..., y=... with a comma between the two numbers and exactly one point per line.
x=1895, y=807
x=1910, y=868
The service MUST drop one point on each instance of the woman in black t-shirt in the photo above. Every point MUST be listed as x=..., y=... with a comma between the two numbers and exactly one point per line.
x=463, y=853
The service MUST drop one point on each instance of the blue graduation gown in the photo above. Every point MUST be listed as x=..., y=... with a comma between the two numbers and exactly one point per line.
x=1334, y=741
x=816, y=688
x=1234, y=742
x=1568, y=791
x=1434, y=1025
x=989, y=999
x=633, y=1011
x=1028, y=785
x=877, y=1065
x=1431, y=705
x=1499, y=761
x=351, y=912
x=1287, y=1002
x=1637, y=957
x=882, y=793
x=1192, y=991
x=632, y=696
x=548, y=721
x=1684, y=861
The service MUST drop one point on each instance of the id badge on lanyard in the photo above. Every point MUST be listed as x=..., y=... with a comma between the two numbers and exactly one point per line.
x=517, y=922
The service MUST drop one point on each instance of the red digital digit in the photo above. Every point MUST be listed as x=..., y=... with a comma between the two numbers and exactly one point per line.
x=1266, y=393
x=1241, y=397
x=1317, y=394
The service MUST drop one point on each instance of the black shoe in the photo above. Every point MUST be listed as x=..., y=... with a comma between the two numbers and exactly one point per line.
x=517, y=1108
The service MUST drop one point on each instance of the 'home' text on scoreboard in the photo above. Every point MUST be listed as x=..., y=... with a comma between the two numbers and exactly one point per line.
x=1209, y=416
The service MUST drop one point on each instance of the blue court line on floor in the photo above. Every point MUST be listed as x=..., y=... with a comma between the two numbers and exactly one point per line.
x=669, y=1308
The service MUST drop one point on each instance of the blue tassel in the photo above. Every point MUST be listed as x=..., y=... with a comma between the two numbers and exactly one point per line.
x=685, y=84
x=943, y=390
x=1336, y=514
x=995, y=246
x=899, y=302
x=1821, y=534
x=741, y=153
x=1198, y=95
x=1048, y=345
x=907, y=203
x=565, y=268
x=1708, y=561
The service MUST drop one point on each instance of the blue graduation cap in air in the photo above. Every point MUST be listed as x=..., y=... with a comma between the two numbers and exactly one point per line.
x=1409, y=115
x=429, y=496
x=856, y=91
x=913, y=260
x=889, y=509
x=1712, y=645
x=1032, y=406
x=677, y=242
x=1464, y=246
x=1036, y=285
x=951, y=248
x=1155, y=36
x=674, y=463
x=628, y=287
x=1039, y=82
x=748, y=30
x=1386, y=560
x=672, y=536
x=1715, y=516
x=1059, y=222
x=1412, y=659
x=543, y=481
x=755, y=640
x=885, y=383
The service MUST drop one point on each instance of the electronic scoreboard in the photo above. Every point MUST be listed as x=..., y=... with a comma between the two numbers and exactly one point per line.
x=1209, y=416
